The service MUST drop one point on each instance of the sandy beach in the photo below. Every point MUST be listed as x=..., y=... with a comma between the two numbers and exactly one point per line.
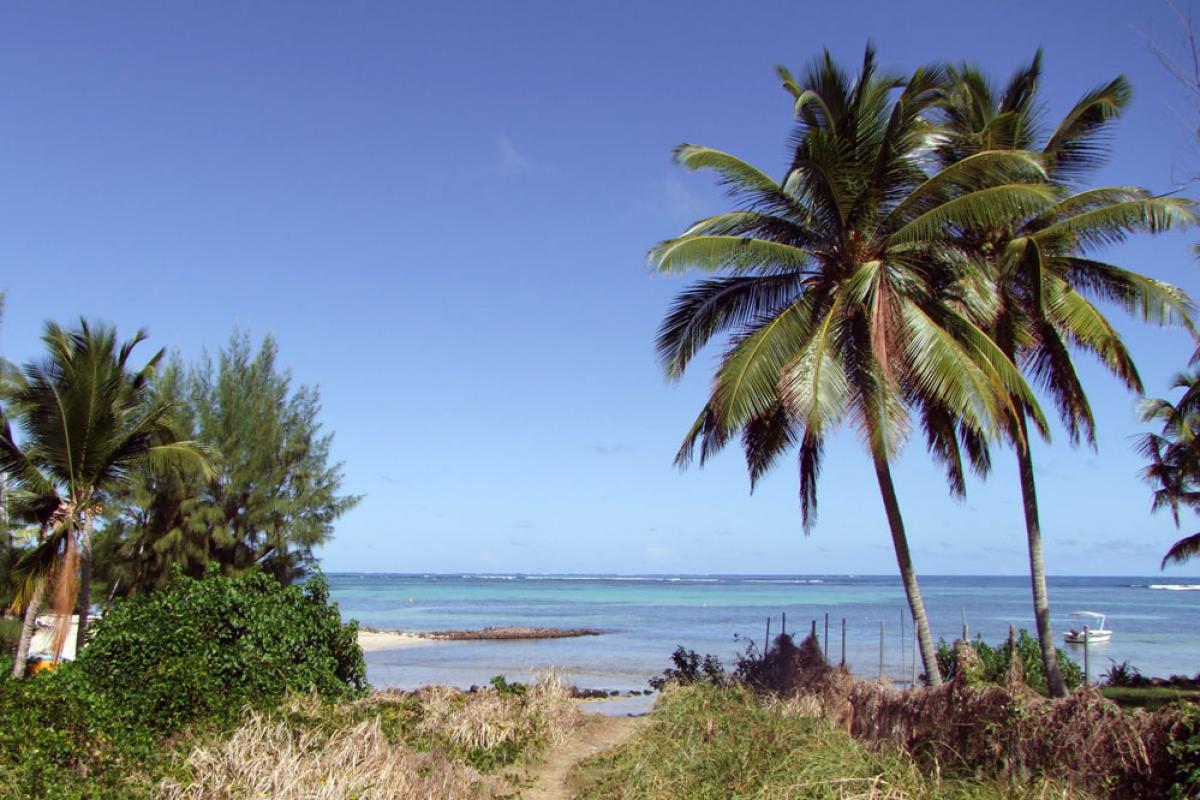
x=375, y=639
x=370, y=640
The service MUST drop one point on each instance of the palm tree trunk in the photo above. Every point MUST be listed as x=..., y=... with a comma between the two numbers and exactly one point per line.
x=1037, y=568
x=909, y=577
x=21, y=661
x=30, y=622
x=85, y=580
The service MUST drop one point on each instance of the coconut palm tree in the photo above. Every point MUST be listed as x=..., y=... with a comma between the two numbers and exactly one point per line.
x=843, y=294
x=1043, y=272
x=1174, y=456
x=32, y=498
x=88, y=419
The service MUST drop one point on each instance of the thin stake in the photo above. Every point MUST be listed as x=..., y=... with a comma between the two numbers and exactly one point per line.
x=783, y=625
x=843, y=641
x=880, y=649
x=1086, y=672
x=767, y=638
x=966, y=630
x=826, y=642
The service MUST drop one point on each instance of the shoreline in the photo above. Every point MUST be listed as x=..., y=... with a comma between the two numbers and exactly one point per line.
x=371, y=639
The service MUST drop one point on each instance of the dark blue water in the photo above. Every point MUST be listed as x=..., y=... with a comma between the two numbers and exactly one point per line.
x=1155, y=621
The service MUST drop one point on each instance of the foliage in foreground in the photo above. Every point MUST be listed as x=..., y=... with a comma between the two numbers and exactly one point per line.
x=207, y=647
x=437, y=742
x=971, y=727
x=993, y=662
x=184, y=661
x=705, y=742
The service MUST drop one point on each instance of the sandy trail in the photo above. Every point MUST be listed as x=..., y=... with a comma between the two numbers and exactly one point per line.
x=597, y=734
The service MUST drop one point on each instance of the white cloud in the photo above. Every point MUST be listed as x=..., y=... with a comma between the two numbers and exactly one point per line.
x=512, y=161
x=683, y=205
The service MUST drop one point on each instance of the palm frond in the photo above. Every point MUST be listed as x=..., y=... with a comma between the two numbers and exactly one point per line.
x=713, y=306
x=1151, y=300
x=1113, y=223
x=745, y=384
x=740, y=180
x=986, y=208
x=1079, y=146
x=812, y=448
x=974, y=172
x=735, y=254
x=708, y=432
x=1087, y=328
x=765, y=439
x=1182, y=551
x=813, y=385
x=946, y=372
x=941, y=441
x=1051, y=368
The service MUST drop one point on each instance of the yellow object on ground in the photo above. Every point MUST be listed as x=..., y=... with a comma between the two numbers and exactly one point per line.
x=42, y=665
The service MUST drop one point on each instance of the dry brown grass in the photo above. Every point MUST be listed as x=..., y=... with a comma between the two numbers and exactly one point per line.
x=490, y=719
x=1084, y=739
x=268, y=758
x=316, y=752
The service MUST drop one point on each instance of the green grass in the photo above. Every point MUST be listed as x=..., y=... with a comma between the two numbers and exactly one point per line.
x=1150, y=698
x=705, y=743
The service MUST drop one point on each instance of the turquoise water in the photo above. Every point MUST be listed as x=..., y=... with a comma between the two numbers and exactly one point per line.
x=1155, y=621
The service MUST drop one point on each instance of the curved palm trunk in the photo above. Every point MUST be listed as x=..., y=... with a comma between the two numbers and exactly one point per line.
x=27, y=626
x=85, y=580
x=909, y=577
x=1037, y=569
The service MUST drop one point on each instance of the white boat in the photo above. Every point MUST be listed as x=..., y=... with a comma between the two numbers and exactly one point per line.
x=1096, y=632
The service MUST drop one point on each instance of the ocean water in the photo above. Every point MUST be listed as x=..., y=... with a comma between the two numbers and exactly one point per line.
x=1155, y=621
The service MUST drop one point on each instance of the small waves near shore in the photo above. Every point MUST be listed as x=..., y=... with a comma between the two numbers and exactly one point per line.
x=428, y=628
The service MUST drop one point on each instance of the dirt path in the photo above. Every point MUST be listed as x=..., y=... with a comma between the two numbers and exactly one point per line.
x=548, y=781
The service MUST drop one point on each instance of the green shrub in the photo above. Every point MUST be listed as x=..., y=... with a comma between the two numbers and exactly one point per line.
x=195, y=654
x=10, y=634
x=501, y=684
x=205, y=648
x=1185, y=750
x=51, y=746
x=994, y=661
x=690, y=667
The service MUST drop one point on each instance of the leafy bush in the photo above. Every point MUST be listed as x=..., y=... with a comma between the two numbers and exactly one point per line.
x=690, y=667
x=994, y=661
x=205, y=648
x=1185, y=750
x=1124, y=674
x=502, y=685
x=10, y=634
x=52, y=747
x=198, y=652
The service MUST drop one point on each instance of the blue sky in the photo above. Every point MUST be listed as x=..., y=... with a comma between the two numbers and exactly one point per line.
x=441, y=211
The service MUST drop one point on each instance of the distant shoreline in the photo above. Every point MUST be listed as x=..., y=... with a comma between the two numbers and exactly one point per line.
x=1153, y=578
x=379, y=639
